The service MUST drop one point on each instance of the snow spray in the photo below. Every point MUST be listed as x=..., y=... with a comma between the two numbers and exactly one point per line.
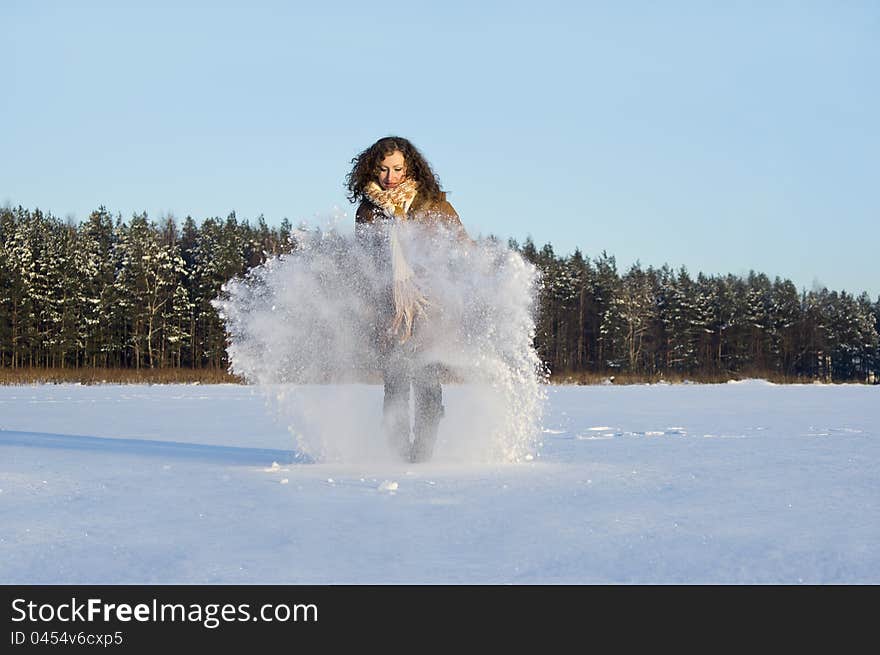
x=303, y=326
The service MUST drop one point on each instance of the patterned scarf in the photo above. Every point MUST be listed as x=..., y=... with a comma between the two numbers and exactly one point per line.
x=393, y=202
x=409, y=303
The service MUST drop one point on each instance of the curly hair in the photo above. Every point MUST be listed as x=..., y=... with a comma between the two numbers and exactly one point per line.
x=365, y=168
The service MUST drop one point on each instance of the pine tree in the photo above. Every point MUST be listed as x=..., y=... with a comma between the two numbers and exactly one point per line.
x=634, y=311
x=815, y=357
x=149, y=273
x=585, y=330
x=10, y=290
x=30, y=257
x=94, y=262
x=869, y=339
x=65, y=307
x=709, y=321
x=758, y=303
x=786, y=316
x=189, y=242
x=610, y=350
x=218, y=257
x=678, y=312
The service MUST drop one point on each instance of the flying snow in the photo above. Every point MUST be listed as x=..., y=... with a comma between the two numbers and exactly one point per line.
x=304, y=322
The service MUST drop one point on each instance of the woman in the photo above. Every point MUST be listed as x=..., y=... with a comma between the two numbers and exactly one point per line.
x=394, y=184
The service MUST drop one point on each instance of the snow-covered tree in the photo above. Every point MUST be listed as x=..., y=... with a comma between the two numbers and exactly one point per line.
x=680, y=317
x=610, y=348
x=150, y=273
x=786, y=315
x=634, y=308
x=218, y=256
x=758, y=303
x=95, y=264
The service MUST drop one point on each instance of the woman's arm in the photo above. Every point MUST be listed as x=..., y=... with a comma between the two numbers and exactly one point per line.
x=450, y=219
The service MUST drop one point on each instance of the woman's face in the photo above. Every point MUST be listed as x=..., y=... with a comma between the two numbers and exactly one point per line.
x=392, y=170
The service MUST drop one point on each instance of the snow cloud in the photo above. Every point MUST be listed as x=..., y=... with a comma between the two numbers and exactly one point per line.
x=307, y=320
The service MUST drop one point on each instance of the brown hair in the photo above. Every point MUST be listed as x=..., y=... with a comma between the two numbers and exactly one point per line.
x=365, y=168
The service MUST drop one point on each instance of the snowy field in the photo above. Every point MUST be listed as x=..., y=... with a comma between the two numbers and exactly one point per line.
x=737, y=483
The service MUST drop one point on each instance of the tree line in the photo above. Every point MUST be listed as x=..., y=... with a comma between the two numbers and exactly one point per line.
x=115, y=294
x=659, y=321
x=110, y=293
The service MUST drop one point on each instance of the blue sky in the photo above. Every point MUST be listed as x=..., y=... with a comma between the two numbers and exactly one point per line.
x=722, y=137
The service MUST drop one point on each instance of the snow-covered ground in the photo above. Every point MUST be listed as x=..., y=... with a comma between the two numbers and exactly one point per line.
x=736, y=483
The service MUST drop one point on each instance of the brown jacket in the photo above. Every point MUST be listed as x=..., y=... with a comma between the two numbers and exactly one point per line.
x=423, y=210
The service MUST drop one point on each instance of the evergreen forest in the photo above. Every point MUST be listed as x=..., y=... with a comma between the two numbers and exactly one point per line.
x=136, y=294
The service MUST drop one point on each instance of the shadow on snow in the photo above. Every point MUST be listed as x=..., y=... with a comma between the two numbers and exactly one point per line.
x=175, y=449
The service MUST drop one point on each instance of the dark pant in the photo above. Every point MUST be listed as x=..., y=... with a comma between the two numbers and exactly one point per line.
x=399, y=374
